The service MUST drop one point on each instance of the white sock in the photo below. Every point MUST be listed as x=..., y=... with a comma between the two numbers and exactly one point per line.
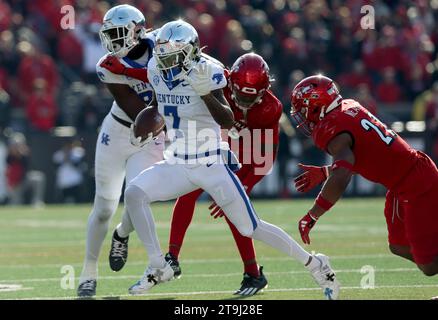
x=280, y=240
x=314, y=264
x=137, y=205
x=125, y=227
x=98, y=223
x=157, y=261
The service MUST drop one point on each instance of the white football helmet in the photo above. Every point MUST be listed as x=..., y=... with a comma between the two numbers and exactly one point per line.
x=176, y=49
x=122, y=28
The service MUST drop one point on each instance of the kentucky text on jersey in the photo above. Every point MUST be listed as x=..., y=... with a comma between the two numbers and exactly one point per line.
x=140, y=87
x=173, y=99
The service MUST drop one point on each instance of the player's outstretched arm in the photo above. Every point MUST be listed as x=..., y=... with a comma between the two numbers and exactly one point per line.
x=339, y=178
x=343, y=161
x=311, y=177
x=127, y=99
x=113, y=64
x=219, y=108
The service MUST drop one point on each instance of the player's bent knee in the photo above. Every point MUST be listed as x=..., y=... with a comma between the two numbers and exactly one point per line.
x=394, y=249
x=429, y=272
x=104, y=209
x=135, y=194
x=401, y=251
x=430, y=269
x=246, y=231
x=104, y=214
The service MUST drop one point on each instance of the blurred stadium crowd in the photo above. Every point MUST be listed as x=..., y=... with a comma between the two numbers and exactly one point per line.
x=47, y=74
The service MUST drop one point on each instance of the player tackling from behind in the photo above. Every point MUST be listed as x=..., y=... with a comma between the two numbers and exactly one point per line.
x=188, y=87
x=360, y=144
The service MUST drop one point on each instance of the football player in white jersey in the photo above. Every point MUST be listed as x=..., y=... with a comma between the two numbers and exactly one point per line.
x=124, y=35
x=188, y=88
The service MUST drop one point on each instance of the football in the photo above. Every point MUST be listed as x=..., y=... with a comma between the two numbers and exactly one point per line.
x=147, y=121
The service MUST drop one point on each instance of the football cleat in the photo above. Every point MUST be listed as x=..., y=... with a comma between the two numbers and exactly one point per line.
x=251, y=285
x=152, y=277
x=118, y=253
x=87, y=289
x=325, y=277
x=173, y=262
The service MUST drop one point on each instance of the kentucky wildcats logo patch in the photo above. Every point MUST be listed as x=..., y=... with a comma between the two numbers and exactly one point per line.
x=218, y=77
x=156, y=80
x=105, y=139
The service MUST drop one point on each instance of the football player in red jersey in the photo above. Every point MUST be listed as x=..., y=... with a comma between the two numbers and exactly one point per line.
x=359, y=143
x=254, y=107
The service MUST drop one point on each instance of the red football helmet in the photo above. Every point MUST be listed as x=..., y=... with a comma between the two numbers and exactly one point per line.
x=312, y=98
x=249, y=79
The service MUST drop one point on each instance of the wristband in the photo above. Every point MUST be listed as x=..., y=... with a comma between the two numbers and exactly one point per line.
x=323, y=203
x=312, y=216
x=342, y=164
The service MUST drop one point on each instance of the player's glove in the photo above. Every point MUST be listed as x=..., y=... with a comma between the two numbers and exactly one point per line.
x=113, y=64
x=311, y=177
x=138, y=141
x=215, y=211
x=200, y=78
x=305, y=225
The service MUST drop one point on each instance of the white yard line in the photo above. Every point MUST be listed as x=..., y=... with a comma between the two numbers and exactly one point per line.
x=207, y=275
x=199, y=261
x=195, y=293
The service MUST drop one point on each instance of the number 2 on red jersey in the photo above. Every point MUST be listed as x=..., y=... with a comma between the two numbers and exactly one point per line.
x=385, y=134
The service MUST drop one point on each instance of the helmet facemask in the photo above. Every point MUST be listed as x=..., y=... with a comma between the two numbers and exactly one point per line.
x=246, y=98
x=175, y=60
x=299, y=114
x=119, y=40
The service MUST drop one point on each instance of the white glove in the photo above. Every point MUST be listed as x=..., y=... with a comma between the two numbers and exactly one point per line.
x=137, y=141
x=200, y=78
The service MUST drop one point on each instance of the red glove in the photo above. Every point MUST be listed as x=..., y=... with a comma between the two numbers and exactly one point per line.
x=215, y=211
x=114, y=65
x=311, y=177
x=305, y=225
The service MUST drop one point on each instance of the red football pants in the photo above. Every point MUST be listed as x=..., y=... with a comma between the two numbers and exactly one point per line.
x=411, y=212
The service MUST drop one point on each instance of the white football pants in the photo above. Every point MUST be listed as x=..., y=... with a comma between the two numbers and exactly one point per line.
x=165, y=181
x=115, y=159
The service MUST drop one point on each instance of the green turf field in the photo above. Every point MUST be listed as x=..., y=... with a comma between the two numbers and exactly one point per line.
x=36, y=244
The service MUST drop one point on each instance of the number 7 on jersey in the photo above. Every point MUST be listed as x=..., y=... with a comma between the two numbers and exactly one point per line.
x=173, y=112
